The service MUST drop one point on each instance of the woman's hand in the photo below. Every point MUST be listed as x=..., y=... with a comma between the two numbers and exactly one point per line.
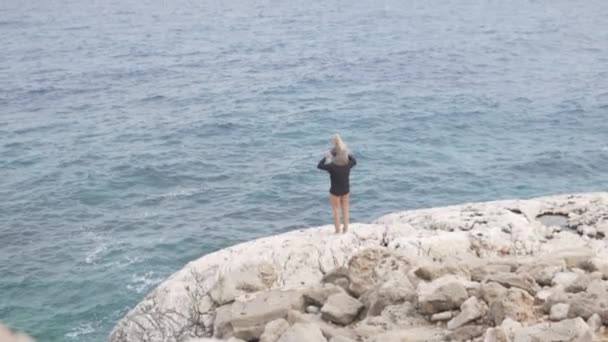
x=328, y=154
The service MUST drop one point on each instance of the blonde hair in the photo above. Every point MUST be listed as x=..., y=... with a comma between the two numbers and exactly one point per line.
x=341, y=151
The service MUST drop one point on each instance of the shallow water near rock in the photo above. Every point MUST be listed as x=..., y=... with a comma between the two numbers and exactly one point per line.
x=136, y=136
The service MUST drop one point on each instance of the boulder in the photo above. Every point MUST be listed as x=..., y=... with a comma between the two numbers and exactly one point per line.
x=570, y=330
x=274, y=330
x=575, y=257
x=595, y=322
x=372, y=266
x=496, y=335
x=250, y=317
x=480, y=273
x=303, y=332
x=544, y=272
x=580, y=284
x=470, y=310
x=515, y=303
x=247, y=278
x=329, y=330
x=403, y=316
x=395, y=291
x=341, y=308
x=564, y=279
x=338, y=277
x=523, y=281
x=445, y=293
x=318, y=296
x=491, y=291
x=559, y=312
x=585, y=304
x=466, y=333
x=430, y=272
x=222, y=324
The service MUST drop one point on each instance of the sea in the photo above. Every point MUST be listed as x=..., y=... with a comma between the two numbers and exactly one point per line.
x=138, y=135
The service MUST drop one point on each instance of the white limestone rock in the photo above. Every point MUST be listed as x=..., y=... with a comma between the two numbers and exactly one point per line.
x=181, y=307
x=341, y=308
x=445, y=293
x=303, y=332
x=470, y=310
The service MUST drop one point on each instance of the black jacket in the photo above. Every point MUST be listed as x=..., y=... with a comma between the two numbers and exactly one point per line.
x=339, y=175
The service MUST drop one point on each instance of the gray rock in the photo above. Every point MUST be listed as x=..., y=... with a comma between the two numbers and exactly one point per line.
x=523, y=281
x=403, y=316
x=442, y=316
x=496, y=335
x=584, y=305
x=470, y=310
x=580, y=283
x=543, y=272
x=595, y=322
x=482, y=272
x=559, y=312
x=303, y=332
x=564, y=279
x=250, y=317
x=274, y=330
x=341, y=308
x=318, y=296
x=395, y=291
x=570, y=330
x=372, y=266
x=329, y=330
x=445, y=293
x=466, y=333
x=515, y=303
x=492, y=291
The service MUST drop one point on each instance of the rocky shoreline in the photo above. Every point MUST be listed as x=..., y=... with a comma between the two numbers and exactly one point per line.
x=516, y=270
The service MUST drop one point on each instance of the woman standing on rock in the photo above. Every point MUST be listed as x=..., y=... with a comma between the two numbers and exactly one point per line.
x=338, y=163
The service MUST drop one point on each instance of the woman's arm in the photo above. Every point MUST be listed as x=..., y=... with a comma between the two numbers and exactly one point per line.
x=352, y=161
x=322, y=165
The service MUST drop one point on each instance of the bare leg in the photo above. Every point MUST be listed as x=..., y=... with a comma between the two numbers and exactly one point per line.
x=335, y=206
x=345, y=202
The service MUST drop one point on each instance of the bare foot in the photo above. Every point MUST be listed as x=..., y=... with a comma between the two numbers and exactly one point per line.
x=337, y=231
x=345, y=230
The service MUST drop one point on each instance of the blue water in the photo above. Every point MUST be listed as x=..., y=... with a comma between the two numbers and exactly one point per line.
x=138, y=135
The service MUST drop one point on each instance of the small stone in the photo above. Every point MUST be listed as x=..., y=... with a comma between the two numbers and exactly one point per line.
x=559, y=312
x=442, y=316
x=311, y=309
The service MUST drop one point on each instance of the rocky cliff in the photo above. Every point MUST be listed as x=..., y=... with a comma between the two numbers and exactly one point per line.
x=517, y=270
